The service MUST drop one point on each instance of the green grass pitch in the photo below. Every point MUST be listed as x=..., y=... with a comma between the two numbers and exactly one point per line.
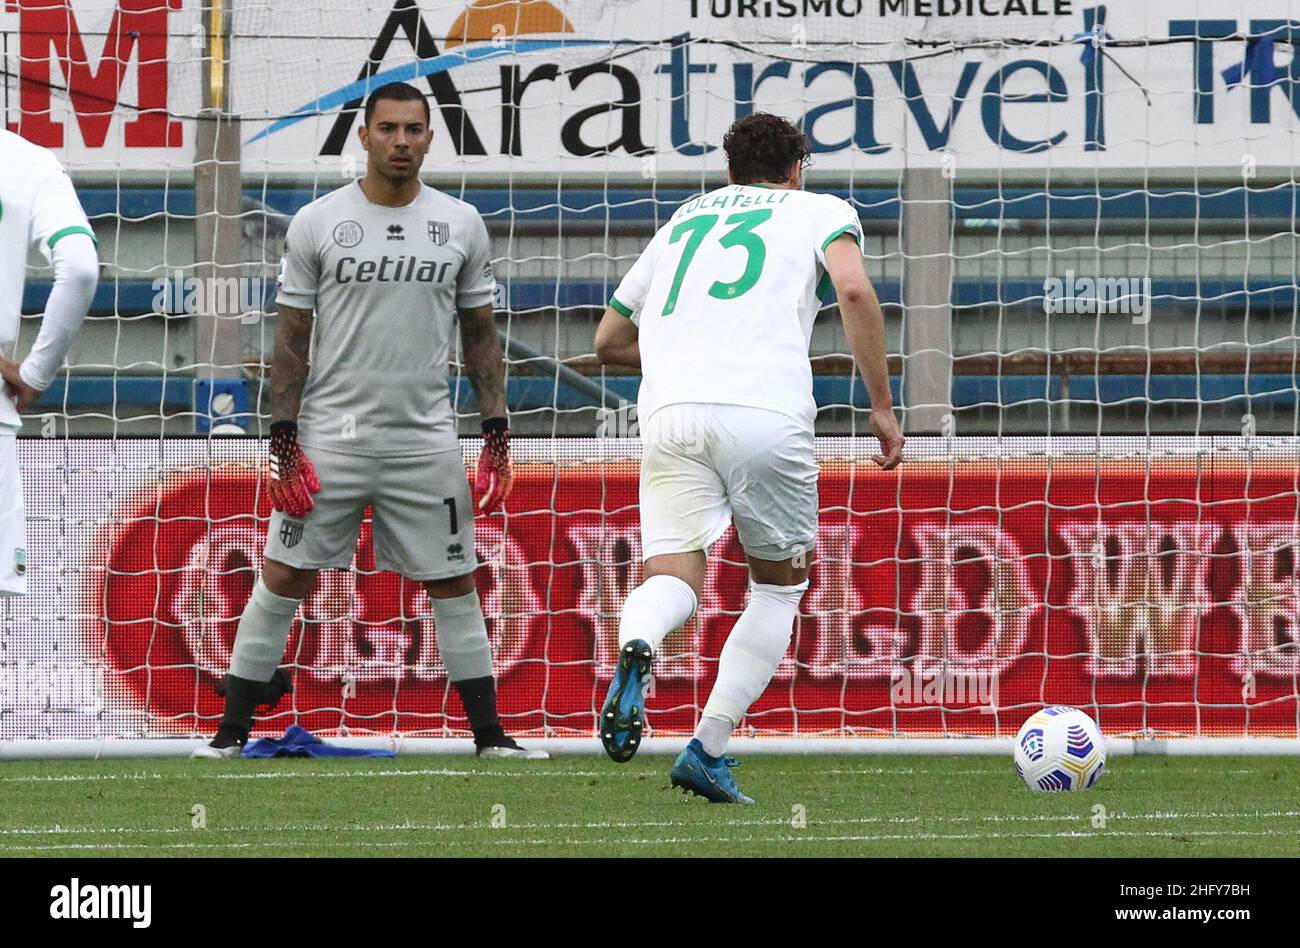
x=581, y=806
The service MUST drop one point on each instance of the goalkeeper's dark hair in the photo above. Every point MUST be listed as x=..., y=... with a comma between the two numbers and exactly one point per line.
x=398, y=92
x=762, y=147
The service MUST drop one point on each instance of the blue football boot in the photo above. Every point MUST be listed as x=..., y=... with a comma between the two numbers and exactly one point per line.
x=623, y=717
x=708, y=777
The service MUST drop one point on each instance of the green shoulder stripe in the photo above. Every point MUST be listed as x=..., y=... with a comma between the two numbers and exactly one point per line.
x=67, y=232
x=846, y=229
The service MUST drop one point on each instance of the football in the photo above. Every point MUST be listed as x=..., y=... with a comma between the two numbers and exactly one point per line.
x=1060, y=748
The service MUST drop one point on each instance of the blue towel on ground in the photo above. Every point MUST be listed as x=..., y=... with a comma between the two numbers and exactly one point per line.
x=300, y=742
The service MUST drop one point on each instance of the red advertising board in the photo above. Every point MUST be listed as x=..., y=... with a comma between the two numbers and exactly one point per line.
x=1161, y=596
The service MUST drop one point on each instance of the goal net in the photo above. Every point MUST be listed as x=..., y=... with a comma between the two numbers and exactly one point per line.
x=1080, y=220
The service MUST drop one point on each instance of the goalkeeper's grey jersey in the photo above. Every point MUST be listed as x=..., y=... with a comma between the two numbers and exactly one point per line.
x=385, y=283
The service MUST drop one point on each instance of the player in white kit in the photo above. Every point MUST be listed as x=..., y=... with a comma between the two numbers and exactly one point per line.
x=375, y=276
x=38, y=209
x=718, y=314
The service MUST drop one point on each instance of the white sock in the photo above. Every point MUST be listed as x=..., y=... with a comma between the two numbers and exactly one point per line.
x=713, y=733
x=750, y=657
x=462, y=636
x=658, y=606
x=263, y=633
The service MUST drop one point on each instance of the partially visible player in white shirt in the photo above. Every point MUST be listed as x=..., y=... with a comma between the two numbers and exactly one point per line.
x=38, y=208
x=718, y=313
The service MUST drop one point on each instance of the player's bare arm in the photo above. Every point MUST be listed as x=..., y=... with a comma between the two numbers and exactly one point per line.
x=485, y=365
x=289, y=362
x=864, y=325
x=291, y=477
x=486, y=369
x=616, y=340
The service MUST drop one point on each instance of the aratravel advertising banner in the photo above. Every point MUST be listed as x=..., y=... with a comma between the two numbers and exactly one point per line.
x=1153, y=582
x=642, y=88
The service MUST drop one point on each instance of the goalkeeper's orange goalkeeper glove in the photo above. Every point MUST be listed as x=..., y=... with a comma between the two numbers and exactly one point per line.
x=495, y=476
x=291, y=479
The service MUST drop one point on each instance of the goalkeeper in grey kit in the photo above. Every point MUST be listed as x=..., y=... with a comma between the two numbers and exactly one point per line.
x=378, y=271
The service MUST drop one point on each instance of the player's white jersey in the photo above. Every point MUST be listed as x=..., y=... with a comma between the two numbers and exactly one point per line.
x=725, y=295
x=38, y=208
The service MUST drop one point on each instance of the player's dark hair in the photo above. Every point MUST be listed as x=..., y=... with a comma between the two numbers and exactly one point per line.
x=762, y=147
x=398, y=92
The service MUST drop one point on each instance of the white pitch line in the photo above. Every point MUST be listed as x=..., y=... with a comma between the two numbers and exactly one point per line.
x=79, y=778
x=658, y=841
x=198, y=774
x=111, y=847
x=440, y=772
x=328, y=775
x=800, y=837
x=911, y=771
x=1062, y=834
x=1162, y=815
x=639, y=824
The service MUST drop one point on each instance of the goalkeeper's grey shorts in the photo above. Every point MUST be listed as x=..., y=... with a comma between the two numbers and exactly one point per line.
x=422, y=522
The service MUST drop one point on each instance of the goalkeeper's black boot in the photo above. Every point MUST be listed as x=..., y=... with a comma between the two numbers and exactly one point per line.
x=243, y=697
x=479, y=696
x=499, y=744
x=622, y=719
x=228, y=743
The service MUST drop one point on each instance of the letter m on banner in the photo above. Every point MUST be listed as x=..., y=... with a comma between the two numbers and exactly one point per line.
x=48, y=29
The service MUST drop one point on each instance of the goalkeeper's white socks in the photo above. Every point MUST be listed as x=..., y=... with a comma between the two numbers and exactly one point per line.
x=467, y=655
x=658, y=606
x=749, y=659
x=263, y=633
x=254, y=678
x=462, y=637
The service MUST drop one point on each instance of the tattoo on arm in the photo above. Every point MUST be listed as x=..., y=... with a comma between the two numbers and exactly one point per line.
x=484, y=360
x=289, y=362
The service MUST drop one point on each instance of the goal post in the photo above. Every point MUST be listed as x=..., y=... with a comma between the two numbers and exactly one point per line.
x=1080, y=222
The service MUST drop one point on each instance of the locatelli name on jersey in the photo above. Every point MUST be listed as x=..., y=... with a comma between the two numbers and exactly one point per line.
x=388, y=269
x=736, y=200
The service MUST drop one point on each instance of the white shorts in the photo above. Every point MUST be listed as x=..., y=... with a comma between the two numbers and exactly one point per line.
x=704, y=465
x=13, y=521
x=422, y=516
